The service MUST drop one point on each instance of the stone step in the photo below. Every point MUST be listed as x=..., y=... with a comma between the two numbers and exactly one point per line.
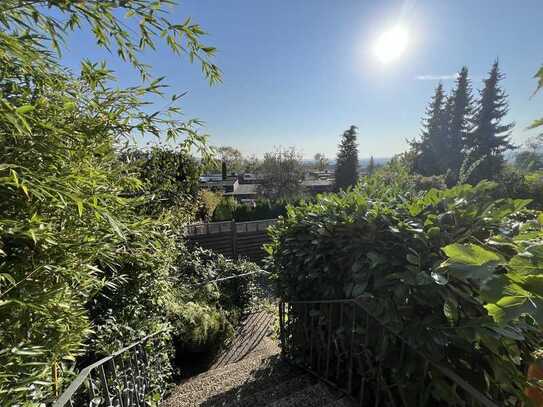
x=316, y=395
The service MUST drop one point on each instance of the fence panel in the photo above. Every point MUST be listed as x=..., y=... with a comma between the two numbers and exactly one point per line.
x=232, y=239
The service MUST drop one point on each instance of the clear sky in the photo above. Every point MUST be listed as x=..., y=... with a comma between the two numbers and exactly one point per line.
x=300, y=72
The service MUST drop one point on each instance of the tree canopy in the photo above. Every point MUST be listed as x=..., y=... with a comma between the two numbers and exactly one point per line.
x=347, y=160
x=463, y=138
x=283, y=172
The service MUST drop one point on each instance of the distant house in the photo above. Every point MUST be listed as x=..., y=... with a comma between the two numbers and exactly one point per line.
x=210, y=178
x=232, y=186
x=249, y=178
x=317, y=186
x=326, y=174
x=227, y=185
x=244, y=192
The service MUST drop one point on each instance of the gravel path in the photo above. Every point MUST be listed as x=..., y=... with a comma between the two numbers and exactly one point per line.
x=250, y=373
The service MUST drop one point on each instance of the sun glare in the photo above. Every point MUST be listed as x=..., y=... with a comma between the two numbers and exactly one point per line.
x=391, y=44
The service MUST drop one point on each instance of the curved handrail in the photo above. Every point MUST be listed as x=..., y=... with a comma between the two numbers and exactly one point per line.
x=340, y=304
x=66, y=398
x=260, y=271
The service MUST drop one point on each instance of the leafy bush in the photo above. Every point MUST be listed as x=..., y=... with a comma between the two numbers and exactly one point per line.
x=208, y=203
x=456, y=272
x=229, y=209
x=161, y=284
x=225, y=209
x=170, y=178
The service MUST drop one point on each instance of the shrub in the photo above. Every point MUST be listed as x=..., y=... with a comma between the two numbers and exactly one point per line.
x=225, y=210
x=161, y=284
x=208, y=202
x=453, y=271
x=229, y=209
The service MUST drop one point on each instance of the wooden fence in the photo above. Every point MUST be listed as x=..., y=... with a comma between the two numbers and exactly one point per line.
x=232, y=239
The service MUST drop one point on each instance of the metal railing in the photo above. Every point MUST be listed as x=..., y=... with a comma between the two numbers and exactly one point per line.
x=121, y=379
x=345, y=346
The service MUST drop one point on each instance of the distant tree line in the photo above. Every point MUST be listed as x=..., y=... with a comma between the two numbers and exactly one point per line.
x=465, y=138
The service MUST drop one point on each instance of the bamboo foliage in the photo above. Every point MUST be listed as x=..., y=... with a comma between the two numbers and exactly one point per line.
x=67, y=204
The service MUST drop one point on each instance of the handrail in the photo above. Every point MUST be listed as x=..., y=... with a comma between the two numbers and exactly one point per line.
x=260, y=271
x=323, y=337
x=135, y=382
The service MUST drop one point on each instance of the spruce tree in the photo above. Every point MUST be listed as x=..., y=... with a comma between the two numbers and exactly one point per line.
x=347, y=160
x=459, y=111
x=490, y=137
x=431, y=149
x=371, y=166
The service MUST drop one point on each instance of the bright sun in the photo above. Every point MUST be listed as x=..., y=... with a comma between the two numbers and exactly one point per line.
x=391, y=44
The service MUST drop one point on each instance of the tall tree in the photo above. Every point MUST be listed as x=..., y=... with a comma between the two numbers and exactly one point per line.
x=251, y=163
x=371, y=166
x=490, y=137
x=231, y=156
x=283, y=172
x=432, y=147
x=459, y=111
x=539, y=76
x=347, y=160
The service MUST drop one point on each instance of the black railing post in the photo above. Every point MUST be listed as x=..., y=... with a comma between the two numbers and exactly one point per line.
x=282, y=328
x=329, y=341
x=353, y=330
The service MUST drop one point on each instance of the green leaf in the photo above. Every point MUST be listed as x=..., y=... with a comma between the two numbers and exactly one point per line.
x=24, y=109
x=471, y=261
x=510, y=308
x=471, y=254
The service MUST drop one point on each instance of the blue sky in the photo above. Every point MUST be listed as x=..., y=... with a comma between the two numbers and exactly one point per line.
x=298, y=73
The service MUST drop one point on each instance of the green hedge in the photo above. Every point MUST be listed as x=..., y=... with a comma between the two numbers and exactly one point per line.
x=229, y=209
x=457, y=272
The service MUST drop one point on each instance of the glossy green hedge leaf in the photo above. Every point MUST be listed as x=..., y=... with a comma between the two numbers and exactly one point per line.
x=528, y=262
x=471, y=261
x=508, y=308
x=471, y=254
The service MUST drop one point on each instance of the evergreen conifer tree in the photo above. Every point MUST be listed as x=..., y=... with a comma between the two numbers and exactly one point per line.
x=347, y=160
x=490, y=137
x=431, y=149
x=371, y=166
x=459, y=111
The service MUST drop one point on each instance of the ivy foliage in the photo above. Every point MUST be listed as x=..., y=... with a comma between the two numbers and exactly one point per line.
x=456, y=272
